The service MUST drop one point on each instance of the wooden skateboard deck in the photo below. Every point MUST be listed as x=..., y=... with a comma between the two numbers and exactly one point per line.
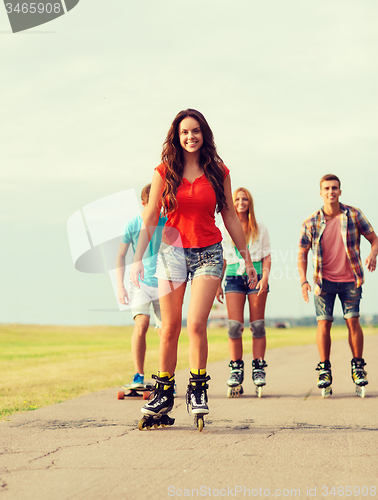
x=142, y=392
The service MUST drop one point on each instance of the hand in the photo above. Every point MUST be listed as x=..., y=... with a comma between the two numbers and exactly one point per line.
x=137, y=269
x=305, y=289
x=371, y=262
x=123, y=298
x=219, y=295
x=262, y=285
x=252, y=275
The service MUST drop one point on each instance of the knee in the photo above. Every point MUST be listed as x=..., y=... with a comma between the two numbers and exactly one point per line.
x=353, y=324
x=324, y=327
x=169, y=334
x=142, y=322
x=235, y=329
x=258, y=329
x=197, y=327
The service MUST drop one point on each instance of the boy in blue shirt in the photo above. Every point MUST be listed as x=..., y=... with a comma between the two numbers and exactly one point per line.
x=140, y=298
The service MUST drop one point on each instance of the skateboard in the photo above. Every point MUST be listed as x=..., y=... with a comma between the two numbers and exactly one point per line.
x=136, y=393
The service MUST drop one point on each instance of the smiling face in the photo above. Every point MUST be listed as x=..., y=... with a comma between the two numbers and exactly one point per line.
x=241, y=202
x=330, y=192
x=190, y=134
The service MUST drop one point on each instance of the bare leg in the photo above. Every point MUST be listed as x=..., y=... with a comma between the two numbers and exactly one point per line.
x=256, y=312
x=138, y=341
x=202, y=298
x=171, y=316
x=356, y=336
x=235, y=310
x=323, y=339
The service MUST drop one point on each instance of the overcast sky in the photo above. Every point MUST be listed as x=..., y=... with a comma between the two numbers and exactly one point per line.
x=288, y=88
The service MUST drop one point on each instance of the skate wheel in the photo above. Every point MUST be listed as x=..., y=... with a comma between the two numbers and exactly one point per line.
x=234, y=392
x=156, y=426
x=166, y=420
x=360, y=391
x=259, y=391
x=121, y=395
x=141, y=423
x=326, y=392
x=146, y=395
x=200, y=423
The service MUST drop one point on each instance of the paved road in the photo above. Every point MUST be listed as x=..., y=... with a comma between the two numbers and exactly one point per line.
x=288, y=444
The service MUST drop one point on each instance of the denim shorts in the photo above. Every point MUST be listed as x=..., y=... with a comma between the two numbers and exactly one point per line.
x=184, y=264
x=349, y=296
x=239, y=284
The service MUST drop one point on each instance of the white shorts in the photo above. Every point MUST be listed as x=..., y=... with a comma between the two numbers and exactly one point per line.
x=141, y=298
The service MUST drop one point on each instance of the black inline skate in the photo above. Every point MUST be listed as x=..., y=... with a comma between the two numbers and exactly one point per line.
x=235, y=381
x=359, y=375
x=196, y=397
x=258, y=375
x=325, y=378
x=156, y=411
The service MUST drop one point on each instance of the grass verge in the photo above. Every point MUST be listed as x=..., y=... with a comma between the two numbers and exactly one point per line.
x=44, y=365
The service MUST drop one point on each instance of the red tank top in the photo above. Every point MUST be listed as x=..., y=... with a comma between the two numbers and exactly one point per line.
x=194, y=218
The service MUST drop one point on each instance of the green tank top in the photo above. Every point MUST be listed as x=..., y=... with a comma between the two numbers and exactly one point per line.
x=231, y=269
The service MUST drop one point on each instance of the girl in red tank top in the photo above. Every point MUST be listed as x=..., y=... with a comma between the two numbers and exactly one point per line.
x=190, y=185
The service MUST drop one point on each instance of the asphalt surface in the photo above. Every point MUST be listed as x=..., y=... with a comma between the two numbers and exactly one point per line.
x=290, y=443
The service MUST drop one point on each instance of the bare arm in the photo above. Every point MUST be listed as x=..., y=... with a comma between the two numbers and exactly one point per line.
x=235, y=230
x=263, y=283
x=371, y=261
x=219, y=295
x=150, y=220
x=302, y=268
x=123, y=298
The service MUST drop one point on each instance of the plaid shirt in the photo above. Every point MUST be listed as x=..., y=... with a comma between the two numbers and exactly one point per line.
x=353, y=224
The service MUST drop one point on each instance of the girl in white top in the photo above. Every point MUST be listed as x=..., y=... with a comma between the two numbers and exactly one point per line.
x=237, y=291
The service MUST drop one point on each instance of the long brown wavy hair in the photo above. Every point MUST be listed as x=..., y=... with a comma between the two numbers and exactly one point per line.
x=172, y=157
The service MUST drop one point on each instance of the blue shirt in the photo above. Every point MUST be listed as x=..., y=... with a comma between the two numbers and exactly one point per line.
x=131, y=235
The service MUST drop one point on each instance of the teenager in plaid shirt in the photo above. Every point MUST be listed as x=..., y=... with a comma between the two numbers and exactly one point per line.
x=333, y=234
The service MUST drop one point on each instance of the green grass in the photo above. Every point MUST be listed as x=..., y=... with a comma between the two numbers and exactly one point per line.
x=43, y=365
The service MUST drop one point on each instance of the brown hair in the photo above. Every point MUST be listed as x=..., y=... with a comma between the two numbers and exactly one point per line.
x=145, y=195
x=210, y=161
x=330, y=177
x=252, y=232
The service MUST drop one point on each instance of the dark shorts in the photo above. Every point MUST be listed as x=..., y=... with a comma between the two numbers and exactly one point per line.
x=239, y=284
x=349, y=297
